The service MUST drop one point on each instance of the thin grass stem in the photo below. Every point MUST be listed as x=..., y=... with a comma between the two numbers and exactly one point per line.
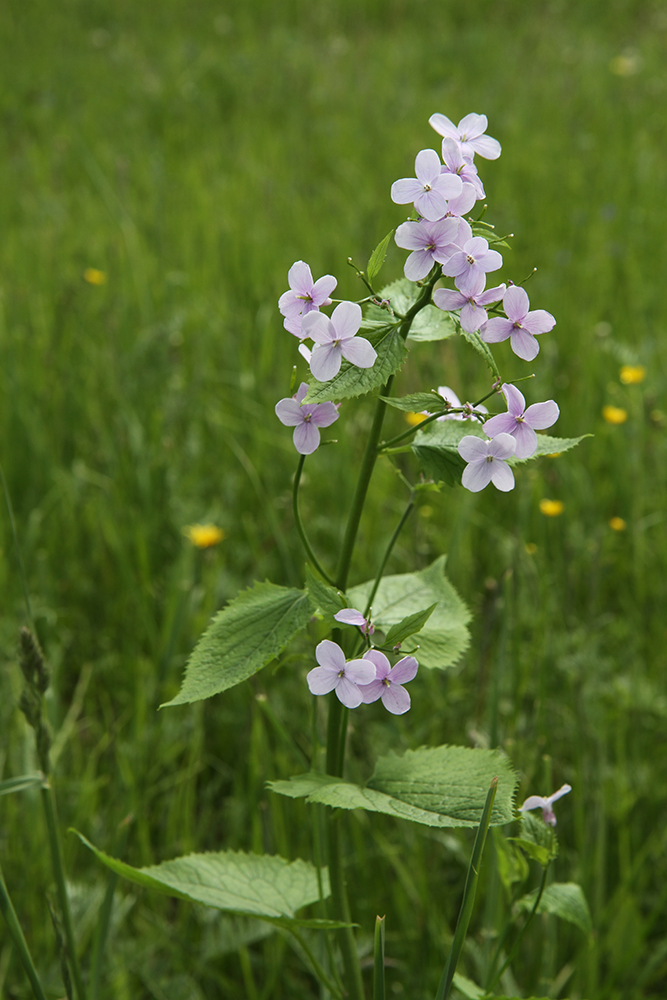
x=299, y=524
x=9, y=913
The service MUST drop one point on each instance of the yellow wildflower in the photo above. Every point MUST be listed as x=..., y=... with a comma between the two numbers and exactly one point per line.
x=552, y=508
x=617, y=524
x=203, y=535
x=415, y=418
x=94, y=277
x=614, y=414
x=632, y=374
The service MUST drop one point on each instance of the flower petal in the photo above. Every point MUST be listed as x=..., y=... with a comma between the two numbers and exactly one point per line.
x=361, y=671
x=563, y=790
x=473, y=448
x=472, y=125
x=538, y=321
x=318, y=327
x=526, y=440
x=403, y=671
x=325, y=414
x=516, y=303
x=350, y=617
x=524, y=345
x=496, y=330
x=502, y=476
x=306, y=438
x=476, y=476
x=516, y=402
x=359, y=351
x=300, y=278
x=418, y=264
x=321, y=680
x=502, y=447
x=289, y=412
x=472, y=317
x=448, y=299
x=413, y=236
x=396, y=699
x=371, y=692
x=487, y=147
x=427, y=166
x=346, y=319
x=443, y=126
x=541, y=415
x=380, y=662
x=534, y=802
x=405, y=190
x=329, y=654
x=503, y=423
x=322, y=289
x=348, y=693
x=325, y=362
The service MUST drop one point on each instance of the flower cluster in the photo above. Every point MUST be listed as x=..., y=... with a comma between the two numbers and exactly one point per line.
x=362, y=681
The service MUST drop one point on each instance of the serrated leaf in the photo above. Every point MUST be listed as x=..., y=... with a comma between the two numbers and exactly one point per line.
x=378, y=257
x=435, y=786
x=547, y=445
x=409, y=626
x=565, y=900
x=401, y=294
x=432, y=323
x=482, y=349
x=416, y=402
x=242, y=638
x=10, y=785
x=252, y=885
x=352, y=381
x=444, y=636
x=324, y=597
x=538, y=840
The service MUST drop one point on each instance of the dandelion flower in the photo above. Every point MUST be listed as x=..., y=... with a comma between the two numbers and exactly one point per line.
x=203, y=536
x=552, y=508
x=632, y=374
x=617, y=524
x=614, y=414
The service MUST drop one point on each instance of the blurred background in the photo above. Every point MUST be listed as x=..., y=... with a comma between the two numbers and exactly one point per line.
x=162, y=167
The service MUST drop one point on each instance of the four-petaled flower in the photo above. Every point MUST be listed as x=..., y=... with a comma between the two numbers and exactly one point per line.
x=455, y=403
x=335, y=339
x=522, y=423
x=304, y=296
x=335, y=674
x=388, y=682
x=471, y=262
x=350, y=616
x=545, y=803
x=471, y=302
x=306, y=419
x=521, y=326
x=430, y=191
x=486, y=462
x=469, y=134
x=456, y=163
x=429, y=241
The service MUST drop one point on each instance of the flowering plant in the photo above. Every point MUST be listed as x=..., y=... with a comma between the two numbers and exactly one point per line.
x=418, y=621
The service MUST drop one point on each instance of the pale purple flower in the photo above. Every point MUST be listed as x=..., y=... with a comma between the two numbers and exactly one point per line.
x=335, y=339
x=304, y=296
x=471, y=303
x=429, y=241
x=521, y=326
x=456, y=163
x=306, y=419
x=522, y=423
x=335, y=674
x=487, y=462
x=350, y=616
x=545, y=804
x=430, y=191
x=388, y=682
x=473, y=260
x=469, y=133
x=456, y=403
x=459, y=206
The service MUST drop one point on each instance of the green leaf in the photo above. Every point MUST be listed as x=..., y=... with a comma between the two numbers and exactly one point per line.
x=352, y=381
x=324, y=597
x=416, y=402
x=538, y=840
x=242, y=638
x=409, y=626
x=482, y=349
x=444, y=636
x=547, y=445
x=436, y=786
x=466, y=987
x=511, y=863
x=562, y=899
x=19, y=784
x=252, y=885
x=432, y=323
x=402, y=294
x=377, y=258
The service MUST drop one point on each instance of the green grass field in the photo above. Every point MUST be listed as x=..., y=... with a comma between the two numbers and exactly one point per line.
x=192, y=152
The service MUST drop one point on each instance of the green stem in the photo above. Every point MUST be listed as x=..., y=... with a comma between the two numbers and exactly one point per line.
x=49, y=803
x=17, y=549
x=341, y=908
x=104, y=919
x=299, y=524
x=392, y=542
x=317, y=968
x=378, y=960
x=468, y=897
x=515, y=946
x=9, y=913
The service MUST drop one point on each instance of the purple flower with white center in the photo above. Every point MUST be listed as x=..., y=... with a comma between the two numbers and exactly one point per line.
x=471, y=303
x=306, y=419
x=336, y=339
x=456, y=403
x=456, y=163
x=522, y=423
x=335, y=674
x=521, y=326
x=469, y=134
x=429, y=241
x=350, y=616
x=304, y=296
x=388, y=682
x=546, y=803
x=473, y=260
x=487, y=462
x=430, y=191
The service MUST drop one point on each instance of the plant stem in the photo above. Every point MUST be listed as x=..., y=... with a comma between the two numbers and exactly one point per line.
x=49, y=803
x=341, y=907
x=521, y=933
x=9, y=913
x=299, y=524
x=378, y=960
x=392, y=542
x=468, y=897
x=17, y=548
x=317, y=968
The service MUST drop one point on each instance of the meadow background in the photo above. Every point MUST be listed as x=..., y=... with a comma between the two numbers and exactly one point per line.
x=192, y=152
